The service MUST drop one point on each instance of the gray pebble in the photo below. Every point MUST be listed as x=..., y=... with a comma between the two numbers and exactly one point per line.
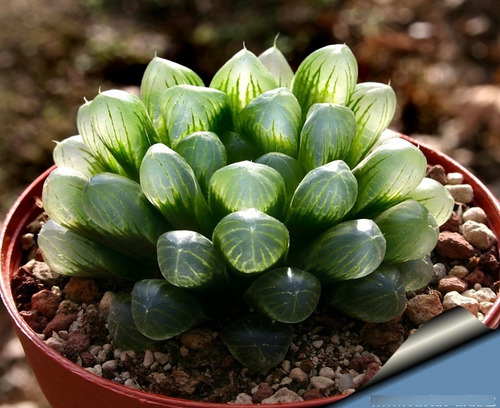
x=461, y=193
x=475, y=214
x=345, y=382
x=439, y=272
x=322, y=383
x=478, y=235
x=455, y=178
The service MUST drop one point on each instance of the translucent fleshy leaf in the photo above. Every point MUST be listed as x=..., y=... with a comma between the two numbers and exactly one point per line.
x=376, y=298
x=323, y=197
x=326, y=135
x=119, y=207
x=349, y=250
x=272, y=122
x=387, y=175
x=288, y=295
x=121, y=122
x=243, y=78
x=274, y=60
x=416, y=274
x=410, y=231
x=162, y=311
x=256, y=341
x=72, y=152
x=237, y=147
x=374, y=105
x=187, y=109
x=251, y=241
x=327, y=75
x=435, y=197
x=170, y=185
x=205, y=153
x=161, y=74
x=189, y=260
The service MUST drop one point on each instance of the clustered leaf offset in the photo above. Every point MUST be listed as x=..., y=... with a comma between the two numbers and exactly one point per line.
x=252, y=201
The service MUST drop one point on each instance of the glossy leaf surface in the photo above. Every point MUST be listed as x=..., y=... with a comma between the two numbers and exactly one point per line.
x=416, y=274
x=274, y=60
x=72, y=152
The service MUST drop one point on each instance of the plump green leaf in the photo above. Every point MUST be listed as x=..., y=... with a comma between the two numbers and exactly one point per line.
x=323, y=197
x=376, y=298
x=410, y=231
x=121, y=122
x=290, y=169
x=237, y=147
x=243, y=78
x=417, y=273
x=274, y=60
x=189, y=260
x=62, y=198
x=170, y=185
x=326, y=135
x=91, y=139
x=328, y=75
x=205, y=153
x=72, y=254
x=288, y=295
x=162, y=311
x=188, y=108
x=374, y=105
x=119, y=207
x=387, y=175
x=349, y=250
x=435, y=197
x=161, y=74
x=246, y=184
x=72, y=152
x=121, y=326
x=272, y=122
x=256, y=341
x=251, y=241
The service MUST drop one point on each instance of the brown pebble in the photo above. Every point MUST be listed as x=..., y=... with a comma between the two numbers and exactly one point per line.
x=474, y=277
x=312, y=394
x=263, y=391
x=88, y=359
x=424, y=307
x=81, y=290
x=197, y=339
x=438, y=173
x=77, y=343
x=306, y=365
x=450, y=283
x=371, y=370
x=361, y=363
x=35, y=320
x=58, y=323
x=45, y=302
x=452, y=224
x=452, y=245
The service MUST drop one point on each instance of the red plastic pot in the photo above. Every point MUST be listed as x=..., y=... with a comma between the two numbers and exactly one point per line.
x=66, y=384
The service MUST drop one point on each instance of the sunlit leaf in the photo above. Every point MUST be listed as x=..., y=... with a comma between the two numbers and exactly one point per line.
x=416, y=274
x=274, y=60
x=72, y=152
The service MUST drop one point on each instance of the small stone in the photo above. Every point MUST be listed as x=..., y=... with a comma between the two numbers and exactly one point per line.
x=327, y=372
x=358, y=380
x=345, y=382
x=424, y=307
x=88, y=359
x=475, y=277
x=197, y=339
x=148, y=359
x=162, y=358
x=45, y=302
x=452, y=283
x=132, y=384
x=452, y=224
x=454, y=299
x=437, y=173
x=462, y=193
x=306, y=365
x=439, y=272
x=481, y=295
x=484, y=307
x=242, y=398
x=35, y=320
x=298, y=375
x=370, y=371
x=58, y=323
x=281, y=396
x=81, y=290
x=184, y=351
x=43, y=273
x=455, y=178
x=312, y=394
x=478, y=235
x=55, y=343
x=109, y=366
x=475, y=214
x=321, y=383
x=285, y=365
x=317, y=343
x=77, y=343
x=459, y=271
x=262, y=392
x=453, y=245
x=105, y=303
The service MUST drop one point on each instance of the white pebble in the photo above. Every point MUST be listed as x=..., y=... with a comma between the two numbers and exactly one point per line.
x=148, y=359
x=242, y=399
x=184, y=351
x=481, y=295
x=281, y=396
x=98, y=370
x=478, y=235
x=453, y=299
x=358, y=380
x=109, y=365
x=322, y=383
x=285, y=365
x=102, y=356
x=461, y=193
x=55, y=344
x=345, y=382
x=327, y=372
x=132, y=384
x=475, y=214
x=298, y=375
x=484, y=307
x=162, y=358
x=317, y=343
x=455, y=178
x=286, y=381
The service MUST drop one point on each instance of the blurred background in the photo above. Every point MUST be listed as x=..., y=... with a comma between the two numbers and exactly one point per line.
x=442, y=59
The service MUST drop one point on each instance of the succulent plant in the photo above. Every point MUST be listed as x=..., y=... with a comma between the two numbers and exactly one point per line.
x=251, y=202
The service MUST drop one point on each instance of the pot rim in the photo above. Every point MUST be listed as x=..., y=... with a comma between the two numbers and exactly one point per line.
x=25, y=209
